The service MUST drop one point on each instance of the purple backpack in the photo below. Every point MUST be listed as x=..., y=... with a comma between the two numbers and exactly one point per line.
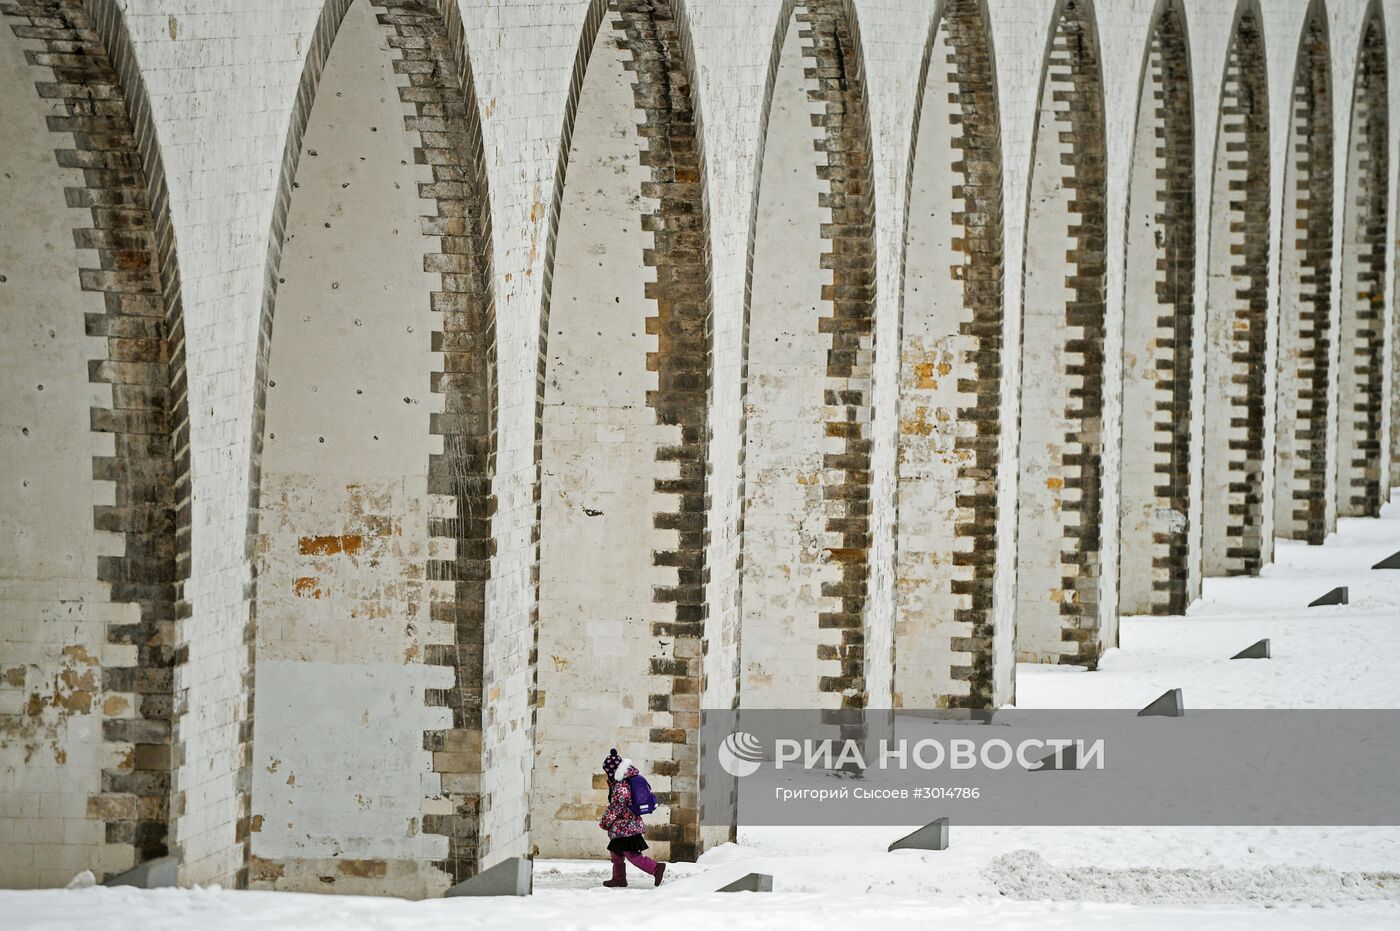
x=643, y=801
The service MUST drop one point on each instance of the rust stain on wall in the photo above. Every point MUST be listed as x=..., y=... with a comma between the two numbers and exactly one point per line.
x=308, y=587
x=260, y=869
x=348, y=543
x=917, y=424
x=363, y=869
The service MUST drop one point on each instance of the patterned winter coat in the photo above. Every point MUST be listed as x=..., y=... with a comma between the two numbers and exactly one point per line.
x=618, y=819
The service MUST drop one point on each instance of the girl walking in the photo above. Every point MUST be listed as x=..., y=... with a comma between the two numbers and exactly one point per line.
x=624, y=825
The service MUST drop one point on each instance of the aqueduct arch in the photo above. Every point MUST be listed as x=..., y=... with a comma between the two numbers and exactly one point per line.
x=1237, y=307
x=622, y=611
x=1159, y=316
x=1362, y=339
x=1305, y=312
x=373, y=533
x=127, y=684
x=950, y=376
x=810, y=352
x=95, y=453
x=1061, y=442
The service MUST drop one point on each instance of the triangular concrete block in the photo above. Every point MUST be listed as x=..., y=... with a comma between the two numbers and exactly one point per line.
x=1069, y=759
x=159, y=873
x=515, y=876
x=932, y=836
x=1390, y=562
x=753, y=882
x=1337, y=596
x=1258, y=650
x=1167, y=706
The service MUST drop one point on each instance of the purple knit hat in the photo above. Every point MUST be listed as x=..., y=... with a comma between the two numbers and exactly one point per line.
x=611, y=763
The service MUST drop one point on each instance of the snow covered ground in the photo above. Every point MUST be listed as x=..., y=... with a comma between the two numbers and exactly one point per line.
x=1042, y=877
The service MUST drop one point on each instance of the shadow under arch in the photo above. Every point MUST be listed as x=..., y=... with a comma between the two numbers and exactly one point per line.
x=1062, y=337
x=951, y=320
x=100, y=526
x=1362, y=337
x=373, y=458
x=809, y=351
x=622, y=444
x=1159, y=319
x=1237, y=308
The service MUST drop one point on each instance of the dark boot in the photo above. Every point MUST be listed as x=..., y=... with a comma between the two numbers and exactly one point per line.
x=619, y=876
x=660, y=868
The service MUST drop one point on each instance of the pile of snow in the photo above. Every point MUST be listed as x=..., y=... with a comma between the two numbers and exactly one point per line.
x=1024, y=874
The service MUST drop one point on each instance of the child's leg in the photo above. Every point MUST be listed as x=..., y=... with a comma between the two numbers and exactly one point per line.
x=641, y=861
x=619, y=868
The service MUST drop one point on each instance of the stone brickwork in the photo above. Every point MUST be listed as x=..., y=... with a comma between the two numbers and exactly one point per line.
x=389, y=593
x=1159, y=316
x=834, y=51
x=1063, y=362
x=1305, y=314
x=98, y=113
x=441, y=91
x=619, y=482
x=807, y=516
x=680, y=293
x=1237, y=316
x=327, y=25
x=785, y=567
x=950, y=377
x=585, y=413
x=1361, y=334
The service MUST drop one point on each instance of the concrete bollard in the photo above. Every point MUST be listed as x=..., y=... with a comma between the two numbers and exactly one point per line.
x=1167, y=706
x=753, y=882
x=1258, y=650
x=932, y=836
x=515, y=876
x=159, y=873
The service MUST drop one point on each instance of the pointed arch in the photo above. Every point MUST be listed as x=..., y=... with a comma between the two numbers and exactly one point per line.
x=1305, y=296
x=623, y=438
x=809, y=358
x=950, y=375
x=101, y=526
x=374, y=457
x=1062, y=337
x=1237, y=307
x=1159, y=319
x=1361, y=337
